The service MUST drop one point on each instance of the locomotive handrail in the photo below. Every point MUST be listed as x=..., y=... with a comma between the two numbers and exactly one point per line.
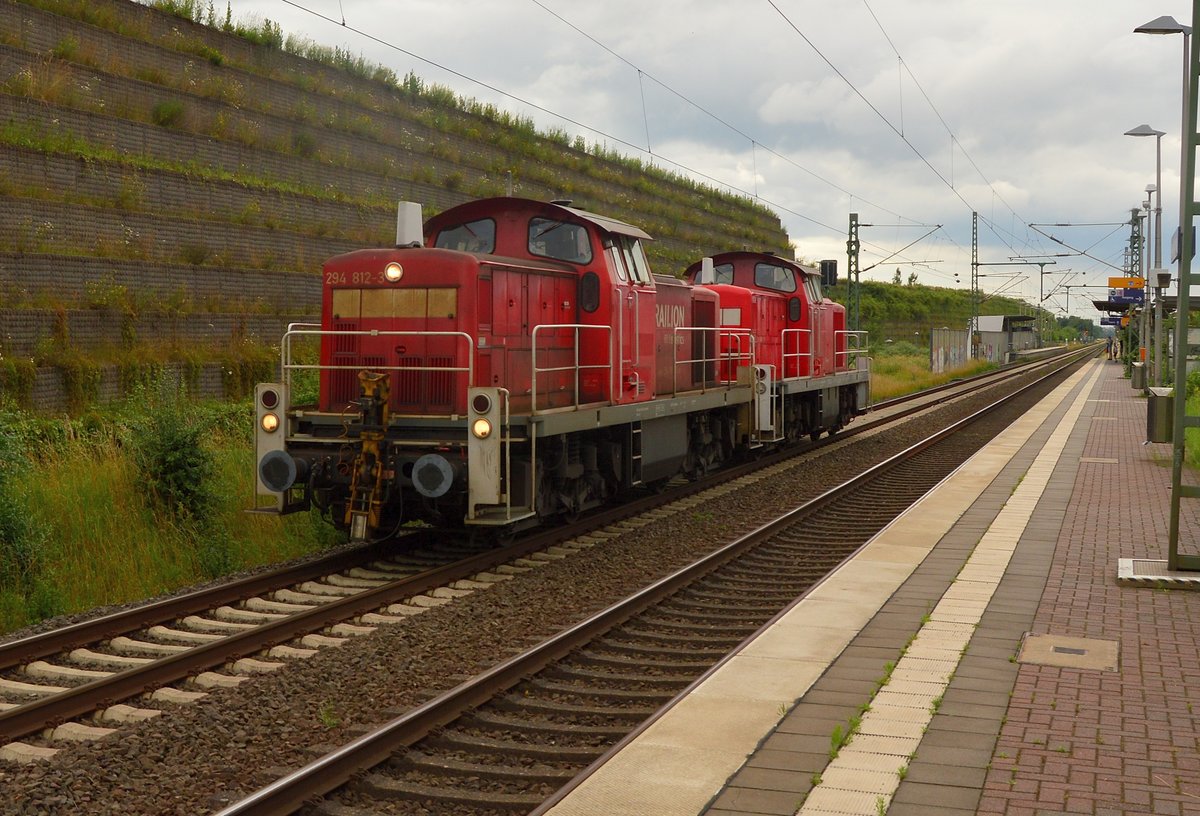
x=286, y=367
x=860, y=347
x=576, y=367
x=732, y=356
x=798, y=355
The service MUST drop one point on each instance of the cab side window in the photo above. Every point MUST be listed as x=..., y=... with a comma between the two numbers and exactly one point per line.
x=772, y=276
x=635, y=258
x=560, y=240
x=473, y=236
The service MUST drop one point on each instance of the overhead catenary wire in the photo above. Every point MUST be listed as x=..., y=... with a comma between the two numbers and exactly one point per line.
x=988, y=222
x=595, y=130
x=755, y=144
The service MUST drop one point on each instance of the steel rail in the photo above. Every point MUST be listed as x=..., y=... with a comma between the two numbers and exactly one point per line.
x=318, y=778
x=33, y=716
x=54, y=641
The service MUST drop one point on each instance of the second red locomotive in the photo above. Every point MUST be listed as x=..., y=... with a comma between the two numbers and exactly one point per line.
x=516, y=360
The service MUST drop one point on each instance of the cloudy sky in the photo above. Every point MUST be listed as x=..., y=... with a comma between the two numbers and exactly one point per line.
x=911, y=113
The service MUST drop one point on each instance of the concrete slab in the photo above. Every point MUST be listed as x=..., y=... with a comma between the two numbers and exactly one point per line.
x=1152, y=573
x=177, y=696
x=25, y=754
x=78, y=732
x=1071, y=652
x=747, y=677
x=122, y=713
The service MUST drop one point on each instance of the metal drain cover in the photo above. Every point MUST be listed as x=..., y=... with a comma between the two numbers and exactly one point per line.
x=1070, y=652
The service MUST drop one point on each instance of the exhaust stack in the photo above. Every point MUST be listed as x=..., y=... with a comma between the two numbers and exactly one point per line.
x=410, y=231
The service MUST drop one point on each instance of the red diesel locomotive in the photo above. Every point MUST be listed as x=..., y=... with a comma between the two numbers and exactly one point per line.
x=517, y=360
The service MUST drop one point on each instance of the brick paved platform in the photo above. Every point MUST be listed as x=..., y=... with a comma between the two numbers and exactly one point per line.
x=998, y=646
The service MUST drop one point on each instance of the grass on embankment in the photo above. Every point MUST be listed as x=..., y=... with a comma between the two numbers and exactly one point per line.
x=86, y=521
x=904, y=368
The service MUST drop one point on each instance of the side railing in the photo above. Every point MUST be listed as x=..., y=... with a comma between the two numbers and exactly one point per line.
x=576, y=366
x=853, y=343
x=794, y=336
x=298, y=330
x=730, y=350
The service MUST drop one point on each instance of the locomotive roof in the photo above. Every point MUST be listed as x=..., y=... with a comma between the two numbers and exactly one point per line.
x=751, y=255
x=506, y=203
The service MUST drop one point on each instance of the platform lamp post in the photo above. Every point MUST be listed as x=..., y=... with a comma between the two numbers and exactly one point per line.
x=1187, y=138
x=1166, y=25
x=1155, y=354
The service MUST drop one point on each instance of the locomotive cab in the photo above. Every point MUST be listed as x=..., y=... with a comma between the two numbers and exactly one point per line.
x=804, y=357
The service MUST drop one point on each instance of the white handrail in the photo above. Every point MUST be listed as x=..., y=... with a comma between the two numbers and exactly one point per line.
x=286, y=366
x=576, y=367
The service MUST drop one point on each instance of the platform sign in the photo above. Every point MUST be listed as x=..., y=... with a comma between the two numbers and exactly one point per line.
x=1110, y=321
x=1125, y=321
x=1126, y=295
x=1126, y=283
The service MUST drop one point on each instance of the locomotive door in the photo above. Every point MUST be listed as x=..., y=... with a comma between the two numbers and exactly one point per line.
x=816, y=336
x=633, y=320
x=821, y=323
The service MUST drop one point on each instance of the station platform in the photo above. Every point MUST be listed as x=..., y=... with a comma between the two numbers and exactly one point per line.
x=978, y=656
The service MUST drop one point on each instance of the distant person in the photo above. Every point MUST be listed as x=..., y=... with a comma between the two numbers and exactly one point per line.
x=1108, y=348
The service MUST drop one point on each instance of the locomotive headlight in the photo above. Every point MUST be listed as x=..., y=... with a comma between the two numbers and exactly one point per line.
x=393, y=272
x=270, y=423
x=482, y=428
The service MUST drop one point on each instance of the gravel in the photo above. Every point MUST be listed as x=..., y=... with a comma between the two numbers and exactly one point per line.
x=197, y=758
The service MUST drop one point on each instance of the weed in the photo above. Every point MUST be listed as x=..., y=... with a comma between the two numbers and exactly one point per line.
x=304, y=144
x=815, y=779
x=836, y=740
x=21, y=541
x=327, y=716
x=194, y=254
x=66, y=48
x=880, y=805
x=902, y=772
x=167, y=113
x=935, y=705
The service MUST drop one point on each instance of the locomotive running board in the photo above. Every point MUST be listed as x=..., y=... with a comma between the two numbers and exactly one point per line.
x=498, y=517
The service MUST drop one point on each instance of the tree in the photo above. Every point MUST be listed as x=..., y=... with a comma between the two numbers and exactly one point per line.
x=912, y=278
x=896, y=277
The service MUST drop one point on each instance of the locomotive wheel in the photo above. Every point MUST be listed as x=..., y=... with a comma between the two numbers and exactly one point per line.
x=815, y=435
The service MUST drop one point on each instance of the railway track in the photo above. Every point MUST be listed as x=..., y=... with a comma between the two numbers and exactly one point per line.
x=506, y=739
x=241, y=627
x=83, y=680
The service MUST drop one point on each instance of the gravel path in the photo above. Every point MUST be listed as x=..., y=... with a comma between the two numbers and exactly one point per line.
x=197, y=758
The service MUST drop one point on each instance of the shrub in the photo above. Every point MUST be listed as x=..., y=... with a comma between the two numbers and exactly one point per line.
x=172, y=457
x=17, y=376
x=1193, y=384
